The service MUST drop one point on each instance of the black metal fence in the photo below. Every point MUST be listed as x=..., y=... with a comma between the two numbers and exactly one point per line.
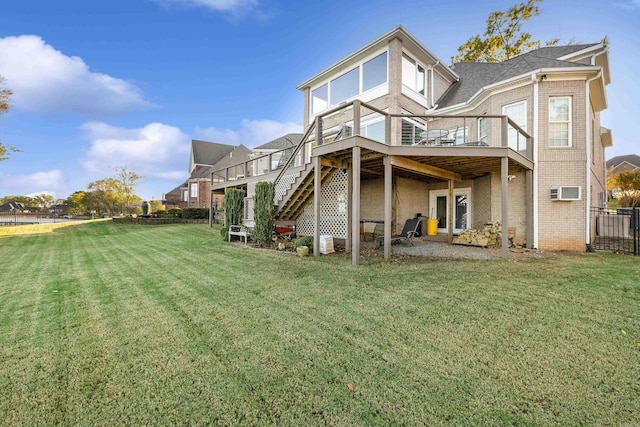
x=616, y=230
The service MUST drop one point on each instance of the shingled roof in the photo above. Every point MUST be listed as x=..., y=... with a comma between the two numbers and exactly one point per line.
x=633, y=159
x=209, y=153
x=286, y=141
x=476, y=75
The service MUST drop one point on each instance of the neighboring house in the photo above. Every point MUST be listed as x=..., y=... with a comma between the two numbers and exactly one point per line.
x=623, y=163
x=177, y=198
x=11, y=207
x=195, y=192
x=392, y=132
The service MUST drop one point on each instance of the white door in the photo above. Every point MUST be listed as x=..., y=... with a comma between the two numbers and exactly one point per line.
x=439, y=209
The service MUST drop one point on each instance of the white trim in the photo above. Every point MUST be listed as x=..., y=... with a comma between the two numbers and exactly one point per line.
x=581, y=52
x=588, y=148
x=569, y=124
x=466, y=191
x=535, y=139
x=474, y=101
x=398, y=32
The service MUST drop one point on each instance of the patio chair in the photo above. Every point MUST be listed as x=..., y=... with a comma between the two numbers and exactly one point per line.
x=409, y=231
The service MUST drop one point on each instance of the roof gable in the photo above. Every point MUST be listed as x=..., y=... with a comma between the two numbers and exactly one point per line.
x=207, y=153
x=475, y=76
x=632, y=159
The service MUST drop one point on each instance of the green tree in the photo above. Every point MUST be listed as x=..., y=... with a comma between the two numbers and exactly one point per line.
x=503, y=38
x=233, y=206
x=5, y=95
x=264, y=213
x=128, y=180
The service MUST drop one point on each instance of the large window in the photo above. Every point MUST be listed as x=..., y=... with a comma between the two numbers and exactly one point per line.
x=560, y=121
x=414, y=75
x=518, y=113
x=344, y=87
x=194, y=189
x=366, y=76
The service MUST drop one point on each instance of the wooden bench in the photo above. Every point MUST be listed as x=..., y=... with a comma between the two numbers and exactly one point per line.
x=243, y=231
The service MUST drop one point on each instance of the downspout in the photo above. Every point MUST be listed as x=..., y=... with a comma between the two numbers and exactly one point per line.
x=534, y=77
x=588, y=152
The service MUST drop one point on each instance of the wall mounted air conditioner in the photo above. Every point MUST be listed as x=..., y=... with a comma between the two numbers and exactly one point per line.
x=566, y=193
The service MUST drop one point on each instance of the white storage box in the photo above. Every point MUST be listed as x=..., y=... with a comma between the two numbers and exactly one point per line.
x=326, y=244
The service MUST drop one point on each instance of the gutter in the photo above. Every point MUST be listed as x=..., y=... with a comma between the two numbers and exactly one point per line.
x=536, y=199
x=516, y=78
x=588, y=152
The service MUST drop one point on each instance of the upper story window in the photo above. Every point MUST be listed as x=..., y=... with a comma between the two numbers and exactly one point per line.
x=415, y=76
x=365, y=76
x=517, y=112
x=560, y=121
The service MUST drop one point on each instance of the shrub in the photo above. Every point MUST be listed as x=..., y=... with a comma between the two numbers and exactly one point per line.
x=304, y=241
x=263, y=213
x=224, y=232
x=195, y=213
x=233, y=206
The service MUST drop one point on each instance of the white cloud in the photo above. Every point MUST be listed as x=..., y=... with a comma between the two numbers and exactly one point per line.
x=49, y=182
x=251, y=133
x=46, y=81
x=156, y=151
x=217, y=5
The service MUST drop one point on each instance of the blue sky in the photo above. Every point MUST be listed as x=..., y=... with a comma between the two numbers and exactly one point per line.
x=102, y=84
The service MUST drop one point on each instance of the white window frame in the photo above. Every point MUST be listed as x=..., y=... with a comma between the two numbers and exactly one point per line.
x=428, y=76
x=483, y=123
x=193, y=189
x=568, y=122
x=513, y=133
x=185, y=195
x=376, y=91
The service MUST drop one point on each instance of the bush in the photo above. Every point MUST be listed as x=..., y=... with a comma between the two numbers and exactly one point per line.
x=195, y=213
x=234, y=206
x=304, y=241
x=224, y=232
x=263, y=213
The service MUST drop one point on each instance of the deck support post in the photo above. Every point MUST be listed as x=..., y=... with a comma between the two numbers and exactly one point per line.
x=388, y=180
x=451, y=209
x=504, y=179
x=348, y=240
x=317, y=184
x=528, y=176
x=355, y=207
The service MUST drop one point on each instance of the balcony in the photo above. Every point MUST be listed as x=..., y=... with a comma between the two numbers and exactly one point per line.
x=466, y=145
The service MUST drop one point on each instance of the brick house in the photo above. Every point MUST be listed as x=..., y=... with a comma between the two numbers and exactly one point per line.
x=392, y=132
x=626, y=163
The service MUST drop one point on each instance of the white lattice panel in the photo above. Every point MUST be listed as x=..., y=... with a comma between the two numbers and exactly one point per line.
x=333, y=209
x=284, y=185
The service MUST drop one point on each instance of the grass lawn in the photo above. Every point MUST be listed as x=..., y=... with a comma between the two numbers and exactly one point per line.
x=104, y=324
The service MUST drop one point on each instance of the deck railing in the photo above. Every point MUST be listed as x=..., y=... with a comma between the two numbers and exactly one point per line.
x=357, y=118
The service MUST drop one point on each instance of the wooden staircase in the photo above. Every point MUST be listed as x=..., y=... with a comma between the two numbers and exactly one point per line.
x=295, y=200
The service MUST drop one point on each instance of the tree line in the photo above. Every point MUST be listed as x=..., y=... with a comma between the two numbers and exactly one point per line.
x=109, y=196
